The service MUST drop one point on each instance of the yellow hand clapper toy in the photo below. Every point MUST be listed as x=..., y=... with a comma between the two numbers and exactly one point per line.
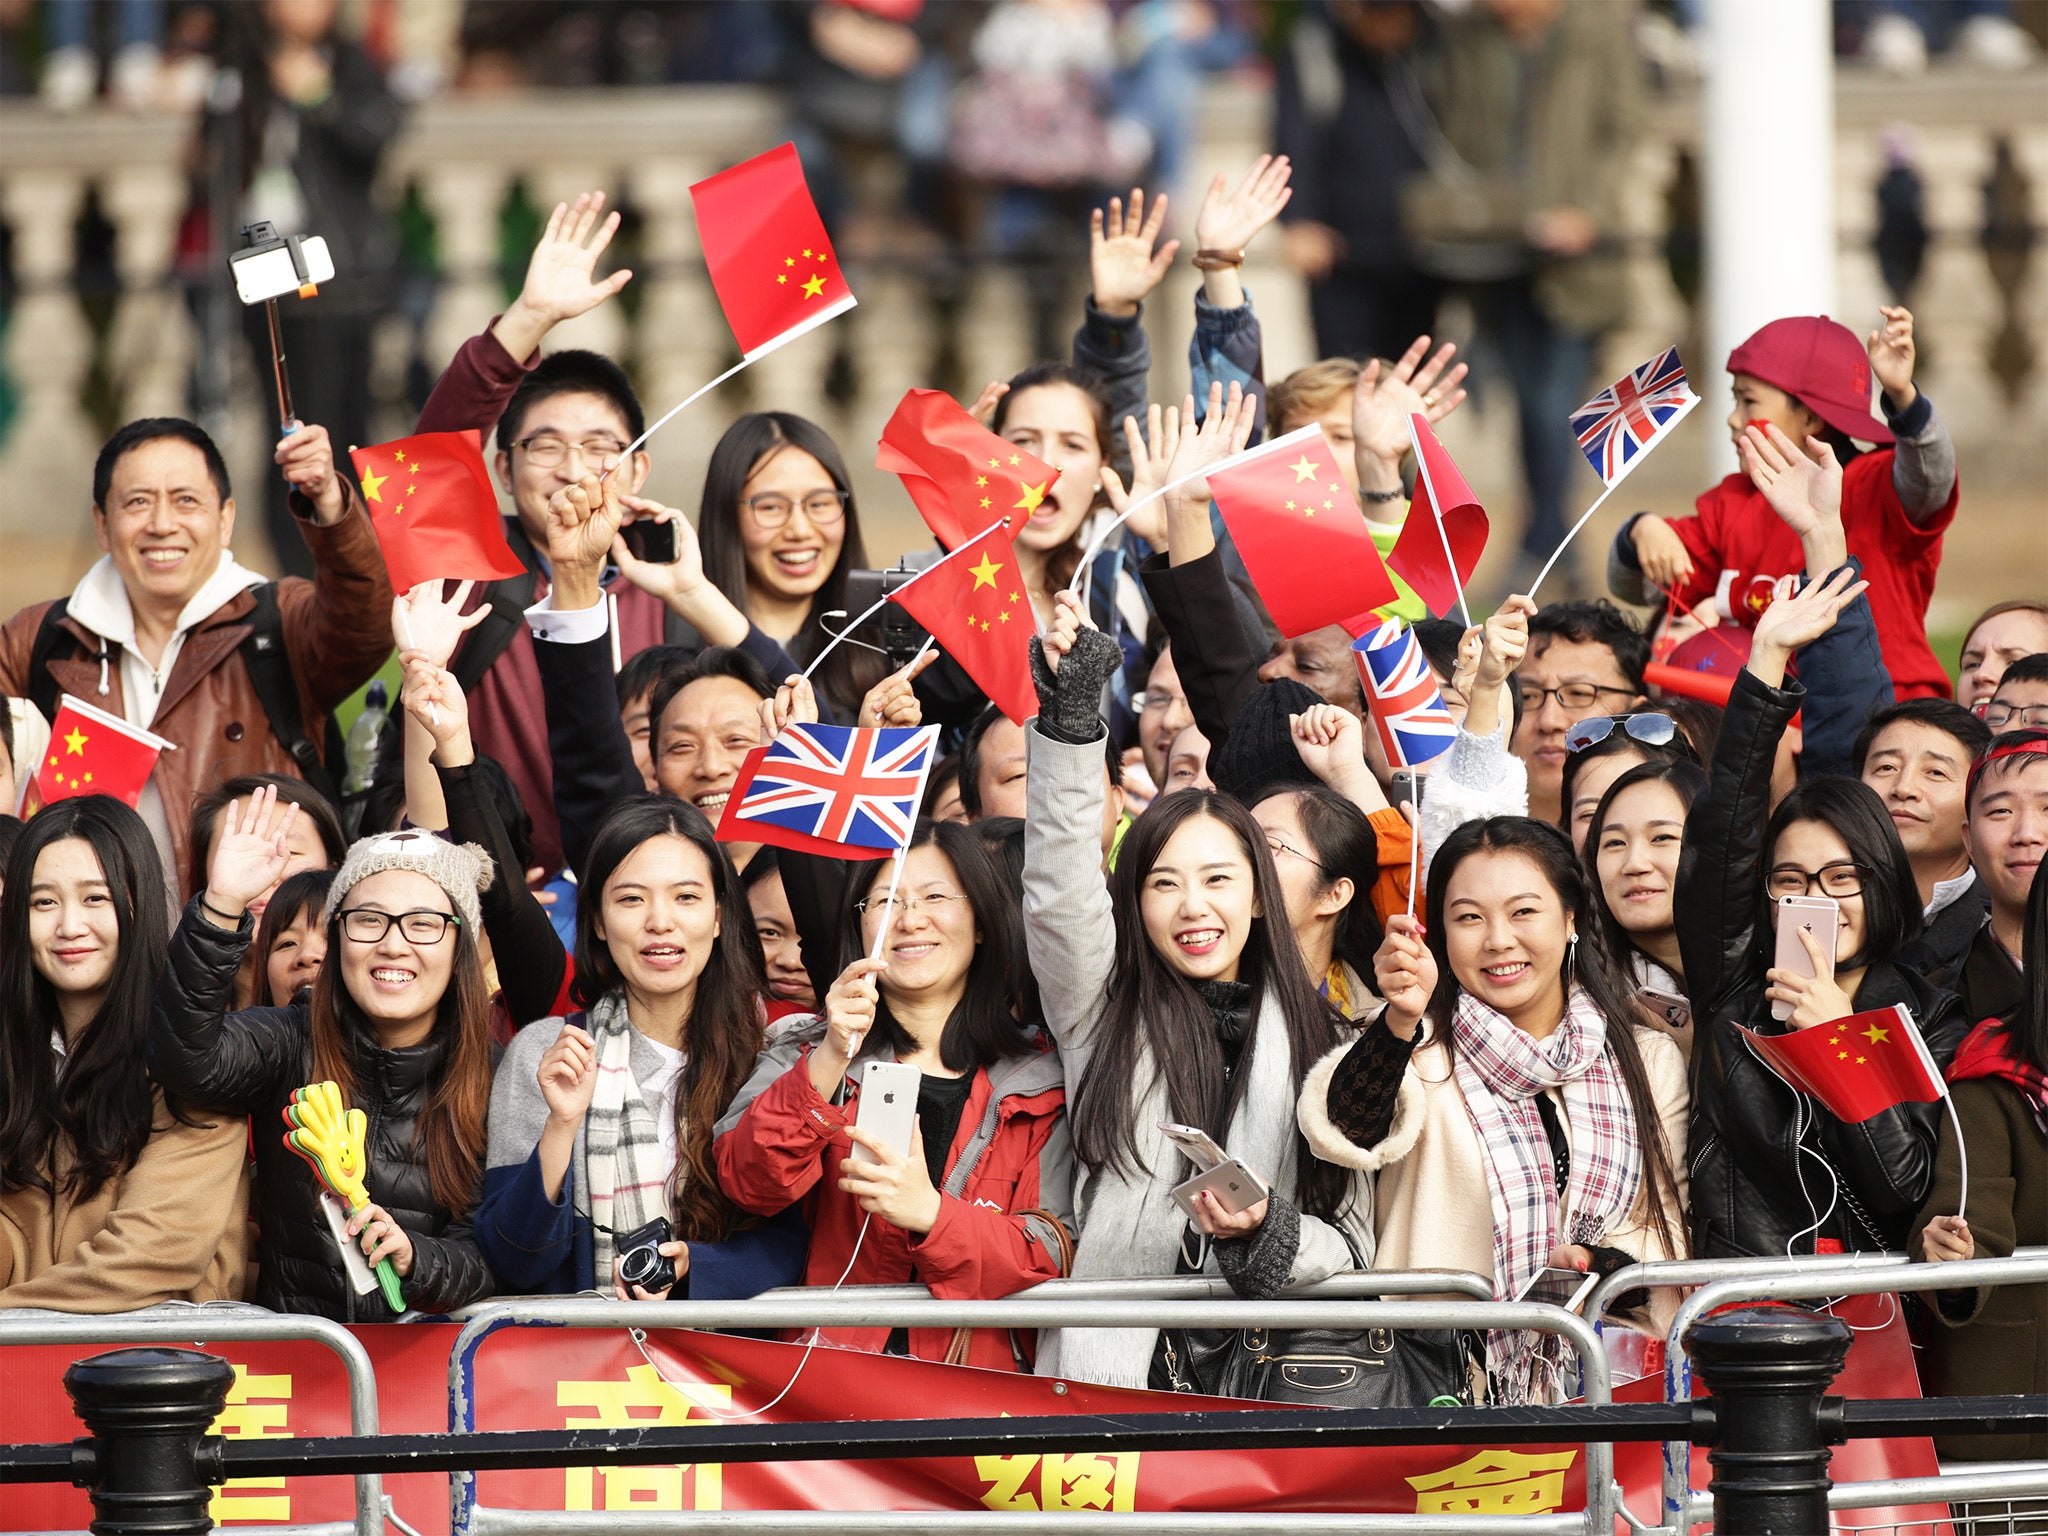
x=331, y=1139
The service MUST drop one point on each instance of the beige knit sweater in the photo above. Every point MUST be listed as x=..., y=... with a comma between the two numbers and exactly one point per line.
x=175, y=1227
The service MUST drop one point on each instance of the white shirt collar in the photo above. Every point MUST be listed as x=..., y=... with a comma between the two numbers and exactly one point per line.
x=1946, y=892
x=100, y=600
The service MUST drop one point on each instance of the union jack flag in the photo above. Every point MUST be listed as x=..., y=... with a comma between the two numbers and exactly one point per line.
x=846, y=792
x=1625, y=420
x=1401, y=694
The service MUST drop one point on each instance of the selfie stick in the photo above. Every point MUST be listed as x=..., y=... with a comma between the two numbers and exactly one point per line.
x=288, y=423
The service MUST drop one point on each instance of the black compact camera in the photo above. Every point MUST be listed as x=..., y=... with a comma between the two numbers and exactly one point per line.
x=640, y=1258
x=890, y=629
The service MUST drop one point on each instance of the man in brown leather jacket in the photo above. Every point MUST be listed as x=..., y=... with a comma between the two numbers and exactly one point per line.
x=154, y=631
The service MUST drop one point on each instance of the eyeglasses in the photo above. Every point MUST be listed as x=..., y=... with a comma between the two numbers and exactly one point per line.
x=2021, y=716
x=936, y=905
x=1843, y=879
x=1651, y=728
x=544, y=450
x=1573, y=696
x=366, y=925
x=1154, y=698
x=772, y=511
x=1280, y=845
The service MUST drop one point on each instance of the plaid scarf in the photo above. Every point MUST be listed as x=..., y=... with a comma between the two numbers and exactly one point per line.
x=627, y=1173
x=1988, y=1052
x=1500, y=1071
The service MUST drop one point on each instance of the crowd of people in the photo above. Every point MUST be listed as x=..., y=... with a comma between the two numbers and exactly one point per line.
x=1489, y=1012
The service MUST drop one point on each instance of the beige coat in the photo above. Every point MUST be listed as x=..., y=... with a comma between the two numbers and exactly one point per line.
x=175, y=1227
x=1431, y=1203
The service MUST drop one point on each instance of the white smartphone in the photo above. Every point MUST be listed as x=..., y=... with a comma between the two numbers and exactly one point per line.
x=270, y=274
x=1566, y=1288
x=1820, y=916
x=1671, y=1007
x=1235, y=1186
x=1199, y=1145
x=888, y=1106
x=353, y=1262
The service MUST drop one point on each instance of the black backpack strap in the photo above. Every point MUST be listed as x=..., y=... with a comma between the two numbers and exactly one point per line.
x=483, y=645
x=270, y=672
x=50, y=634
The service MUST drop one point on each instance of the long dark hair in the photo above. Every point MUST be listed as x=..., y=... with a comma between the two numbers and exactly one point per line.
x=848, y=672
x=450, y=1130
x=100, y=1108
x=308, y=888
x=1592, y=968
x=1688, y=781
x=983, y=1028
x=1064, y=561
x=1154, y=1011
x=1344, y=844
x=1891, y=898
x=723, y=1035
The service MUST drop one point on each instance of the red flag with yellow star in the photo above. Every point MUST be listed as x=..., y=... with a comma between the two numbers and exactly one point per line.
x=1856, y=1066
x=434, y=510
x=975, y=606
x=960, y=474
x=1301, y=534
x=94, y=753
x=765, y=246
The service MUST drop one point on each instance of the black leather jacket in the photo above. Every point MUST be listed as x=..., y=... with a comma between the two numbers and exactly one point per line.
x=249, y=1063
x=1768, y=1162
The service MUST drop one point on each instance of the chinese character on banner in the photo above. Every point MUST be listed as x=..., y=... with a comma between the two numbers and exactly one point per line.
x=644, y=1398
x=256, y=1410
x=1065, y=1482
x=1495, y=1482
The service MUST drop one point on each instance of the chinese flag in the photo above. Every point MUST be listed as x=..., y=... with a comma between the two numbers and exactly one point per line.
x=961, y=475
x=773, y=268
x=1302, y=537
x=1441, y=497
x=974, y=604
x=94, y=753
x=434, y=510
x=1857, y=1066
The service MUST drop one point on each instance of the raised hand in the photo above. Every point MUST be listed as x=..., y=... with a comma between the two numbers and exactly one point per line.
x=432, y=696
x=582, y=521
x=1224, y=430
x=1383, y=399
x=1804, y=489
x=1069, y=618
x=1800, y=619
x=1504, y=641
x=559, y=282
x=1404, y=973
x=984, y=408
x=1151, y=451
x=1893, y=354
x=1661, y=553
x=252, y=852
x=676, y=582
x=1229, y=221
x=568, y=1075
x=849, y=1009
x=893, y=701
x=425, y=621
x=794, y=703
x=1122, y=266
x=307, y=459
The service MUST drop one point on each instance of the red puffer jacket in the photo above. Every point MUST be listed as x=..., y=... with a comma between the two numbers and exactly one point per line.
x=1006, y=1207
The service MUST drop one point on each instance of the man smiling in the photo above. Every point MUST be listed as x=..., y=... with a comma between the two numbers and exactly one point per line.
x=169, y=631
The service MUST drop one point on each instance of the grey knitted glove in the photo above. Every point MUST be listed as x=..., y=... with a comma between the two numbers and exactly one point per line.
x=1258, y=1264
x=1070, y=700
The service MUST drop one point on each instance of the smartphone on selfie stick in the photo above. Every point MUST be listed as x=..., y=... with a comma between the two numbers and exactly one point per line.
x=270, y=267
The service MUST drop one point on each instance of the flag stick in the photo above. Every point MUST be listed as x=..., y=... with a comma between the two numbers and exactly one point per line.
x=405, y=634
x=876, y=607
x=1080, y=582
x=675, y=411
x=1443, y=533
x=1683, y=411
x=888, y=906
x=611, y=614
x=1414, y=860
x=1962, y=1157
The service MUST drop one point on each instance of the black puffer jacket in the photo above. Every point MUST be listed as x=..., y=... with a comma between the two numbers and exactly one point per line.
x=1767, y=1162
x=250, y=1063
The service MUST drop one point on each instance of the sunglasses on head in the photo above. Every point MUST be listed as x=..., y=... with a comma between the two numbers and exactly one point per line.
x=1651, y=728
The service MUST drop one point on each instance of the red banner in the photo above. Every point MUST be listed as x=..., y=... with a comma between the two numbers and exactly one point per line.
x=560, y=1378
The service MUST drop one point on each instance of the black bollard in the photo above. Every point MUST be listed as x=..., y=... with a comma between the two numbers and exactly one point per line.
x=149, y=1464
x=1768, y=1369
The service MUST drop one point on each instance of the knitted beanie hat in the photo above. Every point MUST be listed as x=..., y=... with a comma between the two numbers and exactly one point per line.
x=462, y=870
x=1258, y=756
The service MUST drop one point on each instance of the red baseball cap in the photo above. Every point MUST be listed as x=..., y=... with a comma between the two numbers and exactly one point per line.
x=1823, y=364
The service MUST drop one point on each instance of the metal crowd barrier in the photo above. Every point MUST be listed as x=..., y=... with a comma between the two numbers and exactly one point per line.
x=238, y=1324
x=852, y=1309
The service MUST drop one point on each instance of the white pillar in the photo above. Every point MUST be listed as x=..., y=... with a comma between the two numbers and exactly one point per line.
x=1768, y=159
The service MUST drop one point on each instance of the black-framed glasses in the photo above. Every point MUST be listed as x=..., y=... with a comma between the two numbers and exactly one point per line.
x=367, y=925
x=1841, y=879
x=545, y=450
x=1280, y=845
x=1573, y=696
x=2015, y=717
x=1651, y=727
x=936, y=905
x=772, y=510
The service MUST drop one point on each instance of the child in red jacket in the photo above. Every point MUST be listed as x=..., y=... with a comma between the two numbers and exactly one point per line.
x=1807, y=376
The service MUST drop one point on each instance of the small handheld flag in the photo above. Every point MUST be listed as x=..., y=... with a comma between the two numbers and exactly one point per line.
x=94, y=753
x=960, y=474
x=331, y=1139
x=434, y=510
x=1402, y=695
x=974, y=604
x=1620, y=425
x=772, y=266
x=1857, y=1066
x=1301, y=534
x=848, y=792
x=1436, y=555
